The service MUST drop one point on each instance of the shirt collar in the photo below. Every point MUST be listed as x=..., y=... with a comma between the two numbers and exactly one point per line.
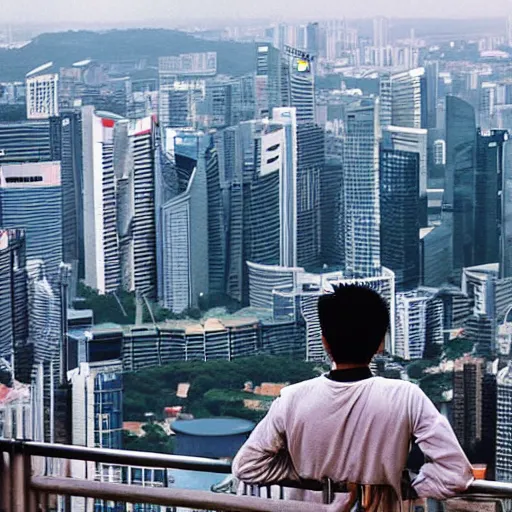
x=350, y=375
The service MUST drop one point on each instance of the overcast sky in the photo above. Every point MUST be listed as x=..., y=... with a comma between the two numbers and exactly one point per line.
x=169, y=11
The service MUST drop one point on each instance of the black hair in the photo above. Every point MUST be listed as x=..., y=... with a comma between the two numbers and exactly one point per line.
x=354, y=321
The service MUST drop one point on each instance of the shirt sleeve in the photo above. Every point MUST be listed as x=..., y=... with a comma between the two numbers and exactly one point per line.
x=447, y=471
x=264, y=458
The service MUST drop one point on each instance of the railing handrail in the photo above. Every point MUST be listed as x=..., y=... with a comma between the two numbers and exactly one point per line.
x=202, y=500
x=121, y=457
x=167, y=461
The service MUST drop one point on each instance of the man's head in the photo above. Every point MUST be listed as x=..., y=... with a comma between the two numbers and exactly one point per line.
x=354, y=322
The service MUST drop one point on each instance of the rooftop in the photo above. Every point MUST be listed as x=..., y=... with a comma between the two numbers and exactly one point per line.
x=213, y=427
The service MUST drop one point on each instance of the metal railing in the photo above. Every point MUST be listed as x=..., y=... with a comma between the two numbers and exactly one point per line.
x=24, y=486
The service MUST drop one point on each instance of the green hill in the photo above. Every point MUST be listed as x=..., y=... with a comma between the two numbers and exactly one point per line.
x=65, y=48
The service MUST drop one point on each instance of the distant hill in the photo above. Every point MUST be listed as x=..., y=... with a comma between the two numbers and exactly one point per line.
x=64, y=48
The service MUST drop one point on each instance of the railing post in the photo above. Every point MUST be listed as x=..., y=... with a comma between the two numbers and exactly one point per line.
x=18, y=495
x=29, y=493
x=5, y=483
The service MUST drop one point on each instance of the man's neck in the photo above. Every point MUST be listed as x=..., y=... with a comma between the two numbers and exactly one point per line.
x=348, y=366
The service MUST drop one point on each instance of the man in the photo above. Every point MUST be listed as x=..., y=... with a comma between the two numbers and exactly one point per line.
x=351, y=427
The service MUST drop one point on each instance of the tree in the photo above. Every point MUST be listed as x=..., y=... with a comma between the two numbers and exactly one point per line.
x=154, y=440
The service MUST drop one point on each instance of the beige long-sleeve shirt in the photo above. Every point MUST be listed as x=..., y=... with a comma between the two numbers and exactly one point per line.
x=356, y=432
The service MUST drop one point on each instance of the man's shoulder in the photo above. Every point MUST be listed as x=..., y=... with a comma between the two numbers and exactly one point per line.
x=400, y=386
x=301, y=387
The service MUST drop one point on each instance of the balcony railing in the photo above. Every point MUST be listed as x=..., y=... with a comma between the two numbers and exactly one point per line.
x=25, y=485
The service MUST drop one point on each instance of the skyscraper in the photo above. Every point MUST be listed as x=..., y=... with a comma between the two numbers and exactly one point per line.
x=399, y=209
x=361, y=191
x=380, y=32
x=413, y=140
x=31, y=197
x=72, y=188
x=404, y=99
x=310, y=165
x=44, y=314
x=313, y=38
x=42, y=92
x=411, y=325
x=459, y=193
x=488, y=188
x=504, y=425
x=182, y=86
x=141, y=205
x=119, y=201
x=287, y=163
x=216, y=225
x=13, y=295
x=184, y=227
x=27, y=141
x=432, y=85
x=298, y=84
x=267, y=79
x=102, y=261
x=506, y=213
x=467, y=401
x=97, y=420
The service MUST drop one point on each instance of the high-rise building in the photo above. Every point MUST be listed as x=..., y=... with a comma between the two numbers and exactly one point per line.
x=140, y=205
x=97, y=421
x=13, y=295
x=440, y=152
x=413, y=140
x=313, y=38
x=380, y=32
x=432, y=85
x=459, y=193
x=488, y=188
x=27, y=141
x=332, y=214
x=119, y=200
x=216, y=110
x=505, y=229
x=435, y=255
x=216, y=221
x=102, y=262
x=184, y=230
x=287, y=162
x=310, y=166
x=404, y=99
x=467, y=401
x=508, y=36
x=399, y=208
x=411, y=325
x=361, y=191
x=504, y=425
x=44, y=314
x=267, y=79
x=298, y=84
x=486, y=104
x=72, y=190
x=31, y=197
x=491, y=297
x=243, y=106
x=42, y=92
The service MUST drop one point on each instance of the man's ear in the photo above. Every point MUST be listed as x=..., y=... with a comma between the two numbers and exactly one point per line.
x=382, y=346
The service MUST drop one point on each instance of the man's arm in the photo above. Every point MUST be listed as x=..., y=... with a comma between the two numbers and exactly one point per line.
x=264, y=458
x=447, y=471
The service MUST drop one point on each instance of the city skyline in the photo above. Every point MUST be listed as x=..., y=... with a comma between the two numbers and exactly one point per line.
x=177, y=204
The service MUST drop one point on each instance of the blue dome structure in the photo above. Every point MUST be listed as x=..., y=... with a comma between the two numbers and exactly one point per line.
x=216, y=438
